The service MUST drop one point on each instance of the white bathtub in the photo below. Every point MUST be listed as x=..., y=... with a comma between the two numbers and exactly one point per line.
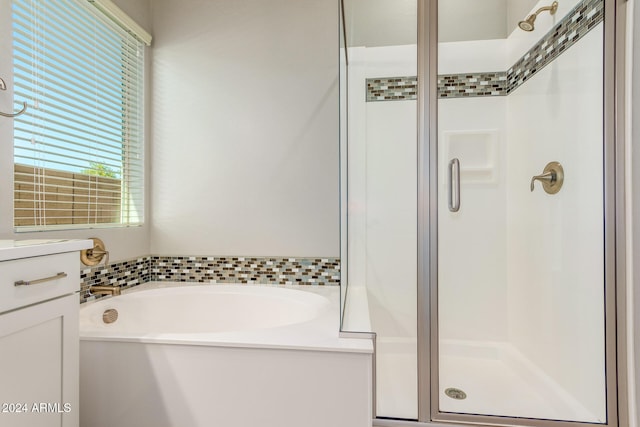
x=222, y=355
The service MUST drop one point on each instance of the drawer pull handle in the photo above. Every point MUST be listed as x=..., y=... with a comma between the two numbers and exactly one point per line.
x=35, y=282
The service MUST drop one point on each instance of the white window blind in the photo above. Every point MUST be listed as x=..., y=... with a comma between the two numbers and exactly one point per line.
x=78, y=149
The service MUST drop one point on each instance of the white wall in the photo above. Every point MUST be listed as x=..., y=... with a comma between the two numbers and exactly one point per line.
x=460, y=20
x=390, y=217
x=471, y=270
x=122, y=243
x=472, y=291
x=555, y=243
x=382, y=191
x=245, y=128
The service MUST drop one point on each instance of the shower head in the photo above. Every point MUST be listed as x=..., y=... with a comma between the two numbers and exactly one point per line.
x=527, y=24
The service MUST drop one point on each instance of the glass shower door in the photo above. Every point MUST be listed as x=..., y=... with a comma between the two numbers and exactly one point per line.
x=521, y=250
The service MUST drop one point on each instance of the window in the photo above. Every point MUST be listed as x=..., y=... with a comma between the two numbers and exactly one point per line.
x=78, y=149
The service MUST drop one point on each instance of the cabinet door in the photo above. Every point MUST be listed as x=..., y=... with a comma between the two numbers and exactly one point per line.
x=39, y=365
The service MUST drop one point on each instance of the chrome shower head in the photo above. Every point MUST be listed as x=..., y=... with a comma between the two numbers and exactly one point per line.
x=527, y=24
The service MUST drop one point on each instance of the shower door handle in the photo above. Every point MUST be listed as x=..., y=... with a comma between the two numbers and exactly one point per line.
x=454, y=188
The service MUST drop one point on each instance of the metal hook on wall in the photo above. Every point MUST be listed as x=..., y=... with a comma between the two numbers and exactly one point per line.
x=3, y=86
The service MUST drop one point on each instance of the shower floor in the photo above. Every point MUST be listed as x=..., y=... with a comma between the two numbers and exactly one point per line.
x=494, y=376
x=498, y=380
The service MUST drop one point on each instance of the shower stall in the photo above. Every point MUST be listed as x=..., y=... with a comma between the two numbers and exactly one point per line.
x=481, y=195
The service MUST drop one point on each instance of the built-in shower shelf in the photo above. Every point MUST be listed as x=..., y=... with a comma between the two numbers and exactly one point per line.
x=476, y=150
x=477, y=175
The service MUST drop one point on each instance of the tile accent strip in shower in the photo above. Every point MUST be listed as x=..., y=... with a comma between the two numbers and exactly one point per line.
x=582, y=19
x=257, y=270
x=449, y=86
x=576, y=24
x=472, y=84
x=392, y=88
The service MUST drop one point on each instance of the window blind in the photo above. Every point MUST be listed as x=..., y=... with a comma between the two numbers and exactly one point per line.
x=78, y=149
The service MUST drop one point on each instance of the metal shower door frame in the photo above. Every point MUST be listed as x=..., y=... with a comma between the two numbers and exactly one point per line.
x=614, y=229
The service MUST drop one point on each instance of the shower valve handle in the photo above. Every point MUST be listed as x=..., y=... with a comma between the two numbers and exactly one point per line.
x=549, y=177
x=552, y=178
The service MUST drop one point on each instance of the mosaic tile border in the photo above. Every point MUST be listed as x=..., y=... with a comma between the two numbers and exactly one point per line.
x=202, y=269
x=125, y=274
x=263, y=270
x=392, y=88
x=575, y=25
x=472, y=84
x=582, y=19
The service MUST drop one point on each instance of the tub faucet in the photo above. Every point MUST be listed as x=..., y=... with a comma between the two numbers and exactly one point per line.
x=105, y=290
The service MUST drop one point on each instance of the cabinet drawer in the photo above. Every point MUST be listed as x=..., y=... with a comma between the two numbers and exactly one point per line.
x=34, y=269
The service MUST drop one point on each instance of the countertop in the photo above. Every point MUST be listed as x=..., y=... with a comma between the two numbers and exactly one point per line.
x=16, y=249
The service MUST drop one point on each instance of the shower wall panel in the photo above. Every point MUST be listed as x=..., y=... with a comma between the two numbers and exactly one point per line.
x=383, y=192
x=473, y=300
x=555, y=242
x=473, y=303
x=391, y=217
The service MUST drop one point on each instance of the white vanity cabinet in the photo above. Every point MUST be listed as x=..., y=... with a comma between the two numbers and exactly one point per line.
x=39, y=333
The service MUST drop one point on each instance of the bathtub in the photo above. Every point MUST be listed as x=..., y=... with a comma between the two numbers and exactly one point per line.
x=189, y=355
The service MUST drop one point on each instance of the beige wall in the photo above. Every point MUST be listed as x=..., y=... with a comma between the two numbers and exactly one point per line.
x=245, y=128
